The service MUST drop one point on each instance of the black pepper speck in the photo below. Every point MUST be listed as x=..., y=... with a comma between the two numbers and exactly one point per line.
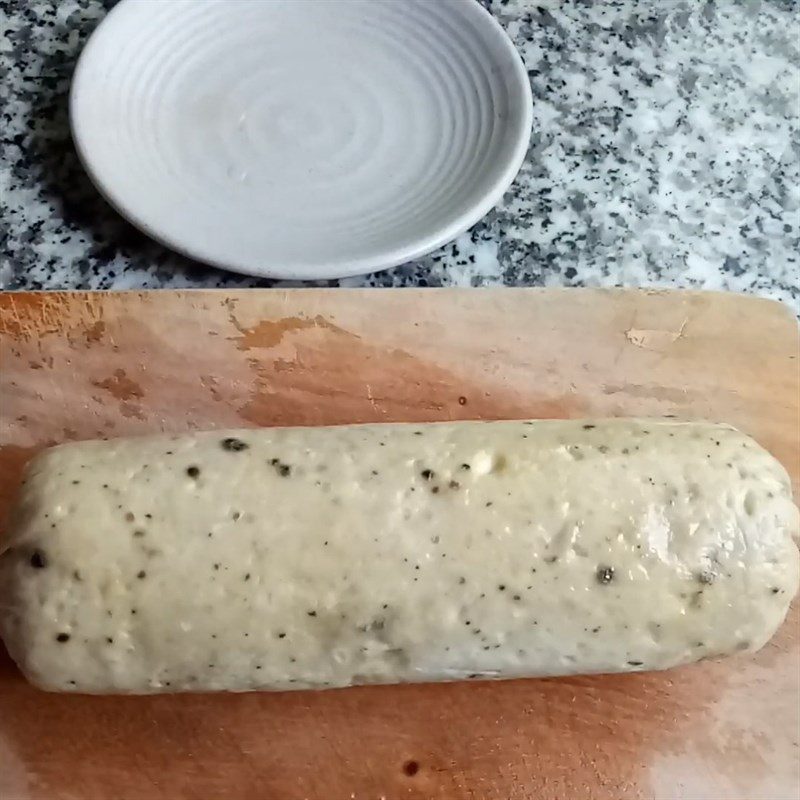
x=192, y=471
x=605, y=574
x=284, y=470
x=38, y=559
x=62, y=637
x=234, y=445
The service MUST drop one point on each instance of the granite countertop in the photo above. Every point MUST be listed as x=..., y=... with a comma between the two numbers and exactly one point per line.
x=665, y=152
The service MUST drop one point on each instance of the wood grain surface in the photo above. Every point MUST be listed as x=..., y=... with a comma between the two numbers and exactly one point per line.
x=78, y=366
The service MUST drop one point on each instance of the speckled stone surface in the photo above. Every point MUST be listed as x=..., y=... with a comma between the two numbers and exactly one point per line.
x=665, y=152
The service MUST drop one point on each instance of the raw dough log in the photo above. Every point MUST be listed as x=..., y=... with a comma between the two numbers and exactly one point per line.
x=316, y=557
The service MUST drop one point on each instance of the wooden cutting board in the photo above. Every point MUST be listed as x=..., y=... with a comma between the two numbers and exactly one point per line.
x=78, y=366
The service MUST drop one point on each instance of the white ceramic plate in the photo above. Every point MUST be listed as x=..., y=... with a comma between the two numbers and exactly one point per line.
x=301, y=138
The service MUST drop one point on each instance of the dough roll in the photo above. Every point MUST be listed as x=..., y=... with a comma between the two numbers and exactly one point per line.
x=318, y=557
